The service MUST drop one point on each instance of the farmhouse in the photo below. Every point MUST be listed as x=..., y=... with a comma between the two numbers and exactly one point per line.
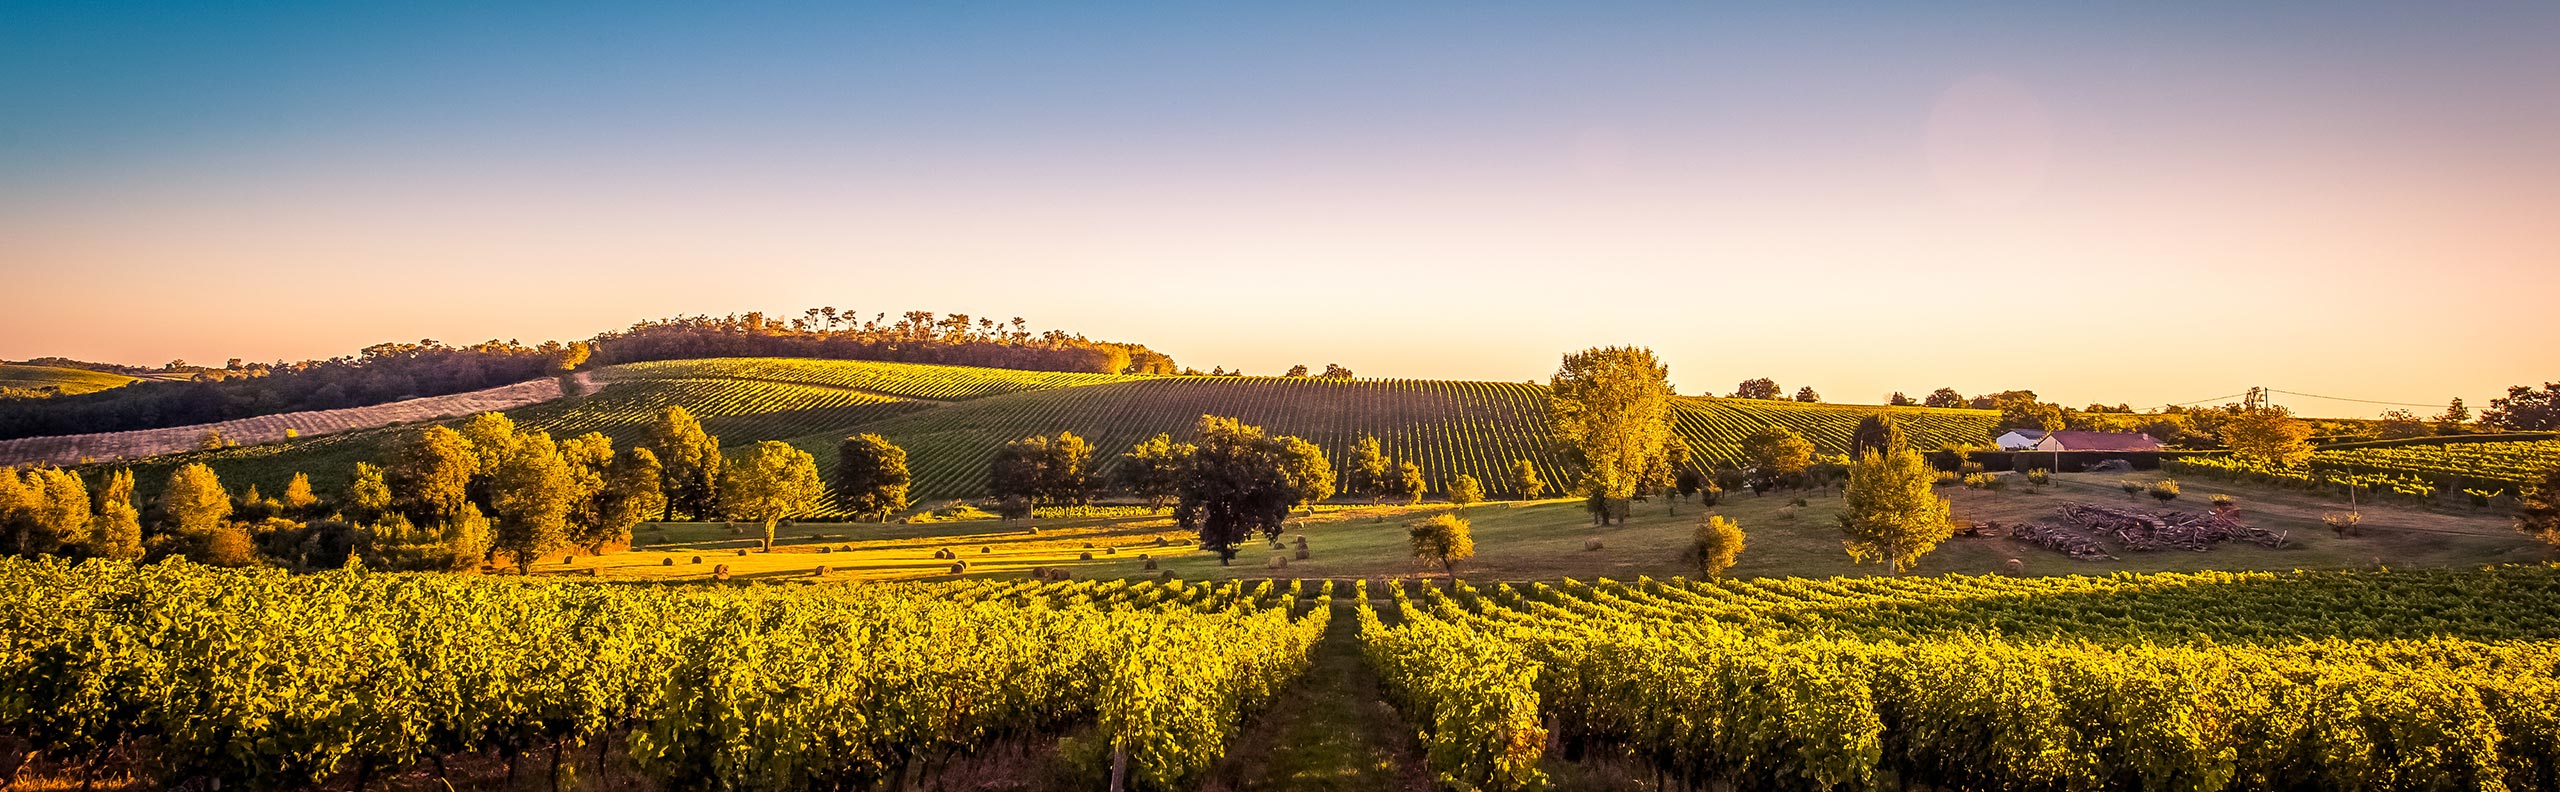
x=2093, y=441
x=2019, y=439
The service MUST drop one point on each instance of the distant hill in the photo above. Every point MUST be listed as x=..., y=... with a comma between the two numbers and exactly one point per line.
x=951, y=418
x=61, y=381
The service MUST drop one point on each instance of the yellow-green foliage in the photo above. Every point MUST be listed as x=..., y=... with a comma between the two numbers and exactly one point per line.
x=2209, y=682
x=758, y=688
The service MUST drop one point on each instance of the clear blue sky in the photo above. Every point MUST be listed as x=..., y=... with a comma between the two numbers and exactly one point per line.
x=2140, y=202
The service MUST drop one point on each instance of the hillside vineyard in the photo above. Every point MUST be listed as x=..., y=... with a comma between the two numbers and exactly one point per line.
x=951, y=418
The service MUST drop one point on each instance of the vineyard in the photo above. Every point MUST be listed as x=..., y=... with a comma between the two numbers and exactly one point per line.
x=951, y=418
x=2319, y=680
x=2417, y=471
x=362, y=676
x=1449, y=428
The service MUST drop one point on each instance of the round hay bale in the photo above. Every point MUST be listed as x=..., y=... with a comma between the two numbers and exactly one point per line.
x=959, y=567
x=1085, y=556
x=1591, y=544
x=1088, y=545
x=2017, y=566
x=1302, y=553
x=1279, y=562
x=590, y=571
x=1033, y=530
x=568, y=559
x=985, y=550
x=1110, y=551
x=697, y=559
x=1168, y=575
x=821, y=571
x=1161, y=541
x=720, y=572
x=667, y=561
x=742, y=552
x=825, y=550
x=1151, y=565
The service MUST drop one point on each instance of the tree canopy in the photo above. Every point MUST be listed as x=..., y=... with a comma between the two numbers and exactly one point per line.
x=872, y=477
x=1238, y=482
x=1891, y=514
x=1612, y=405
x=772, y=481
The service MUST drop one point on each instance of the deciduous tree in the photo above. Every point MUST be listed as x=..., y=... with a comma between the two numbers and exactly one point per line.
x=1367, y=474
x=430, y=475
x=368, y=493
x=2524, y=409
x=2269, y=436
x=773, y=481
x=1777, y=453
x=1877, y=432
x=1445, y=539
x=532, y=491
x=872, y=477
x=1236, y=484
x=1152, y=470
x=116, y=531
x=1806, y=394
x=1890, y=513
x=689, y=460
x=1525, y=480
x=1465, y=491
x=630, y=496
x=1761, y=388
x=1310, y=476
x=194, y=503
x=1613, y=405
x=1944, y=397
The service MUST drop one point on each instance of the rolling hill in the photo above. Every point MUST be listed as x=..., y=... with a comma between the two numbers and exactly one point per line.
x=66, y=381
x=950, y=418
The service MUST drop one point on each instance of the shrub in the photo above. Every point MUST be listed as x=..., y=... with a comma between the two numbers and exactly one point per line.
x=2344, y=523
x=2039, y=476
x=2165, y=490
x=1985, y=481
x=1714, y=546
x=2222, y=502
x=2132, y=488
x=1710, y=495
x=1969, y=467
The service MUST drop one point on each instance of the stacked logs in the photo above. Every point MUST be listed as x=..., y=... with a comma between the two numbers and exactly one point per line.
x=2139, y=531
x=2061, y=540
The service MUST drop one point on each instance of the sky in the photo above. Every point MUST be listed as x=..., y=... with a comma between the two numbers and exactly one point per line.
x=2137, y=202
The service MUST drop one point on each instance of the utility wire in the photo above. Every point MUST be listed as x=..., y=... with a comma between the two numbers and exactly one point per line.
x=2201, y=401
x=2344, y=399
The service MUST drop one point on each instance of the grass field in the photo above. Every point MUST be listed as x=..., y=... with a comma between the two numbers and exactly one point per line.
x=1545, y=540
x=68, y=381
x=951, y=418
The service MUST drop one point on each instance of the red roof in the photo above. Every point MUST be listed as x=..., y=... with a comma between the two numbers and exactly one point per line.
x=2102, y=441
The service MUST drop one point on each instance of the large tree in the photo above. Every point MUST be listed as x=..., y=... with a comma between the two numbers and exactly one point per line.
x=1613, y=406
x=1152, y=470
x=532, y=491
x=773, y=481
x=689, y=461
x=630, y=497
x=2524, y=409
x=1759, y=388
x=2019, y=409
x=368, y=493
x=1806, y=394
x=1891, y=513
x=430, y=475
x=1066, y=475
x=1944, y=397
x=1310, y=476
x=1237, y=483
x=872, y=477
x=1407, y=482
x=589, y=458
x=2268, y=435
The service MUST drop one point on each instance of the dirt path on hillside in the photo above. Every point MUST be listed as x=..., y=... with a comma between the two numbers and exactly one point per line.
x=1333, y=730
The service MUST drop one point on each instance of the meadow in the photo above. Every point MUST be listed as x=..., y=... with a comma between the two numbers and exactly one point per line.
x=61, y=380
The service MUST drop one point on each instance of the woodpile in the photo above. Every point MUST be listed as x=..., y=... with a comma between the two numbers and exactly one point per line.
x=2061, y=540
x=2142, y=532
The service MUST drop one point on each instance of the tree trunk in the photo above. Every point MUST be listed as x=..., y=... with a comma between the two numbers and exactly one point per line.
x=1119, y=769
